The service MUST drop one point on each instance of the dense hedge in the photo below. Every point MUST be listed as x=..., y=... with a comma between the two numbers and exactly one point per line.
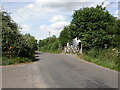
x=14, y=43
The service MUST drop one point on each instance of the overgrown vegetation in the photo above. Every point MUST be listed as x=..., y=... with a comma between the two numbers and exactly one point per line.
x=51, y=45
x=104, y=57
x=15, y=60
x=15, y=44
x=95, y=27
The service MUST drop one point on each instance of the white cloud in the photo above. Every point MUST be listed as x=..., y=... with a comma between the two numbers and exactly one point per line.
x=17, y=0
x=42, y=8
x=31, y=11
x=57, y=18
x=44, y=1
x=106, y=4
x=64, y=5
x=54, y=28
x=58, y=0
x=117, y=14
x=25, y=28
x=94, y=4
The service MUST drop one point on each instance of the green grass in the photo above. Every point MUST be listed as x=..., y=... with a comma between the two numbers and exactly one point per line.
x=14, y=60
x=106, y=58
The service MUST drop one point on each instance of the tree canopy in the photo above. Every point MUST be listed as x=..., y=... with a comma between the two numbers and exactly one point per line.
x=94, y=26
x=12, y=41
x=65, y=36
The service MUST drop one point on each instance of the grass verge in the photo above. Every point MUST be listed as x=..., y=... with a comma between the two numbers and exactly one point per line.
x=106, y=58
x=15, y=60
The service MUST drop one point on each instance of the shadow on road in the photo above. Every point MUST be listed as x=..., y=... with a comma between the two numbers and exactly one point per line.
x=36, y=59
x=38, y=53
x=37, y=56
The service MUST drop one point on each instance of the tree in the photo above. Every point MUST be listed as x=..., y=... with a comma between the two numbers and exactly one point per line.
x=14, y=43
x=10, y=33
x=65, y=36
x=51, y=44
x=29, y=45
x=115, y=34
x=94, y=26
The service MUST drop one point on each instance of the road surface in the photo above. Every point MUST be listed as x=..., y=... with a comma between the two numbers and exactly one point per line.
x=58, y=71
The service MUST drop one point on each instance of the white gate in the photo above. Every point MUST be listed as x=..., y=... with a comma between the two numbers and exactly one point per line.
x=74, y=47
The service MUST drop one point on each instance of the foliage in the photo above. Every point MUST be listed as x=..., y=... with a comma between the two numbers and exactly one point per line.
x=30, y=45
x=15, y=44
x=51, y=44
x=109, y=60
x=15, y=60
x=65, y=36
x=95, y=27
x=116, y=35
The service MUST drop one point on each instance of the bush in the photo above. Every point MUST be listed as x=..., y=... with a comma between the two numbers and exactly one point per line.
x=93, y=52
x=14, y=43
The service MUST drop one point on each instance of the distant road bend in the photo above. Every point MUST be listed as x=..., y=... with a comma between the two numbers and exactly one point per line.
x=58, y=71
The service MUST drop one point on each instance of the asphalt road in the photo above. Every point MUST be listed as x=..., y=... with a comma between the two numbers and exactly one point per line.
x=58, y=71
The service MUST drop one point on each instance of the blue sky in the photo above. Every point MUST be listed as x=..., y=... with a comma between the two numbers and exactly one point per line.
x=43, y=16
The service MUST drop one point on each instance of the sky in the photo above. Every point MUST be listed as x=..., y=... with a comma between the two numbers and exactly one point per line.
x=39, y=17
